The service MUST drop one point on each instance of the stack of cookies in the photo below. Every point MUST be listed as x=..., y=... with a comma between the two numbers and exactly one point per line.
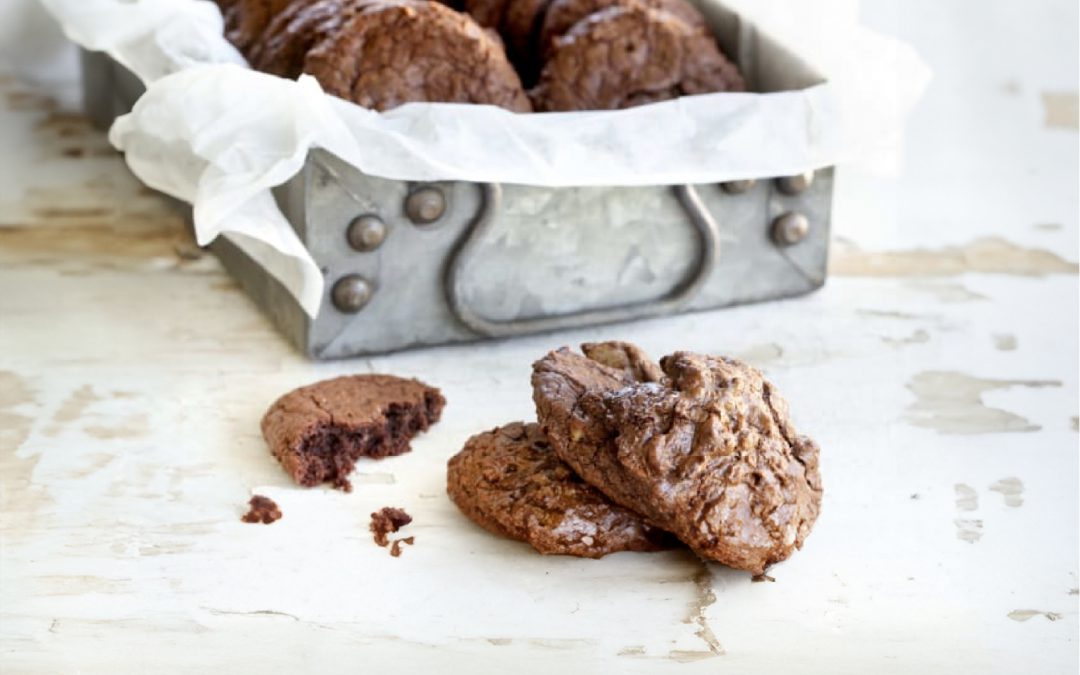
x=574, y=54
x=633, y=455
x=377, y=53
x=608, y=54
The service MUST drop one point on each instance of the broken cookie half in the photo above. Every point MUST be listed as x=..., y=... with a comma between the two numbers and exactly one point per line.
x=701, y=446
x=318, y=432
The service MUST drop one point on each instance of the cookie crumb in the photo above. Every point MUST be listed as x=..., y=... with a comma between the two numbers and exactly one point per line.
x=388, y=520
x=263, y=510
x=758, y=578
x=395, y=546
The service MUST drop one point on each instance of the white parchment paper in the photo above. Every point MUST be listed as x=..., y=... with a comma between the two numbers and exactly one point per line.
x=214, y=133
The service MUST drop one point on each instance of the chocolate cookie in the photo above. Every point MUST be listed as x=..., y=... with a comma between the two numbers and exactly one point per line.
x=318, y=432
x=707, y=452
x=562, y=15
x=288, y=38
x=509, y=482
x=626, y=56
x=245, y=20
x=398, y=51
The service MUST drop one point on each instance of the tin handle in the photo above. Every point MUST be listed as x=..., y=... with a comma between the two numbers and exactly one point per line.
x=709, y=253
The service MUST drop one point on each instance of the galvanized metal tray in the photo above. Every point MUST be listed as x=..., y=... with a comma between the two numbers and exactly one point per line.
x=410, y=264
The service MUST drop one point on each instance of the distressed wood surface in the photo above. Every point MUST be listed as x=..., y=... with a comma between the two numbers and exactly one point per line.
x=937, y=369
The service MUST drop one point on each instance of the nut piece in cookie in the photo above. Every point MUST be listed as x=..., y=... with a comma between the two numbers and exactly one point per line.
x=261, y=510
x=562, y=15
x=509, y=482
x=708, y=453
x=622, y=57
x=398, y=51
x=318, y=432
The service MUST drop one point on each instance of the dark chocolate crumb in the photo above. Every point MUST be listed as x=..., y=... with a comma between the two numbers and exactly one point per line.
x=758, y=578
x=386, y=521
x=395, y=546
x=263, y=510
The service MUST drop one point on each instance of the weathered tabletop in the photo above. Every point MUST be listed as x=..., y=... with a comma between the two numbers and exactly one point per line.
x=937, y=369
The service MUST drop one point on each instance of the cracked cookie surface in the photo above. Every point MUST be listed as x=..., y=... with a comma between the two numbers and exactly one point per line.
x=707, y=451
x=509, y=482
x=394, y=52
x=292, y=33
x=562, y=15
x=622, y=57
x=245, y=20
x=318, y=432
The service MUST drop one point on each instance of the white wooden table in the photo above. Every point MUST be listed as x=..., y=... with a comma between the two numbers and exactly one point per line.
x=938, y=370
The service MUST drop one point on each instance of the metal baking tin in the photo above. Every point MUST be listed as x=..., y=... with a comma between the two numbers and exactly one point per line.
x=410, y=264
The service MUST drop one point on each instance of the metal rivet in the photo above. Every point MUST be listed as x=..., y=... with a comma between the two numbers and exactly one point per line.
x=793, y=185
x=790, y=228
x=351, y=293
x=425, y=205
x=366, y=233
x=736, y=187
